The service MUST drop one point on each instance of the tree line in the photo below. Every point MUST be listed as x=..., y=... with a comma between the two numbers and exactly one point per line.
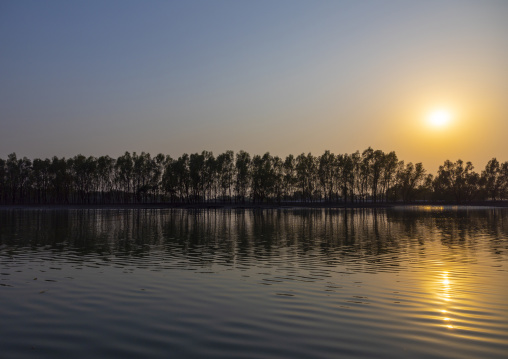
x=371, y=176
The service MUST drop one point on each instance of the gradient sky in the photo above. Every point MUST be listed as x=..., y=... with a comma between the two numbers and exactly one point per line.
x=105, y=77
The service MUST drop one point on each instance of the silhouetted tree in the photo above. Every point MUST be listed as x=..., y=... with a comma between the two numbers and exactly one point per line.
x=503, y=176
x=105, y=177
x=124, y=167
x=388, y=173
x=243, y=174
x=263, y=177
x=289, y=176
x=368, y=176
x=326, y=174
x=492, y=179
x=456, y=181
x=346, y=172
x=306, y=175
x=409, y=179
x=225, y=174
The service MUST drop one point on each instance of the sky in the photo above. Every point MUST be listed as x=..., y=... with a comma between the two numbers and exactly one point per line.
x=285, y=77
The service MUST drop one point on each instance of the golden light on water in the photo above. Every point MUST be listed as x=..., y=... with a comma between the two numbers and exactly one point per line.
x=446, y=297
x=456, y=302
x=432, y=208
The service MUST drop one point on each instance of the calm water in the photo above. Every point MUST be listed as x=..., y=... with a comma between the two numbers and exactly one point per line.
x=414, y=282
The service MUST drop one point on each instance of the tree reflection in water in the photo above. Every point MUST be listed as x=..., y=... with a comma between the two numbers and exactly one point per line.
x=369, y=240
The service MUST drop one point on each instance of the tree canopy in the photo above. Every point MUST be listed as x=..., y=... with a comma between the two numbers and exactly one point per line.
x=371, y=176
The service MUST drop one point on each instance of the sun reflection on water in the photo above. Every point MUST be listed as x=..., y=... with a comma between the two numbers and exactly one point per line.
x=433, y=208
x=445, y=296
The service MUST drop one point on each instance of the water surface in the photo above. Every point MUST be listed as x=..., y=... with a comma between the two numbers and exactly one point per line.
x=414, y=282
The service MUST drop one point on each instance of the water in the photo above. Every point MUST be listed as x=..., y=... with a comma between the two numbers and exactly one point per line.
x=415, y=282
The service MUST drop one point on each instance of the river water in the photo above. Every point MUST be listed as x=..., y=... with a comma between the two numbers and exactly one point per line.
x=427, y=282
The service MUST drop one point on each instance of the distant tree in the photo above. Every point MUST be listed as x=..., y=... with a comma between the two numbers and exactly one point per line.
x=209, y=175
x=358, y=183
x=492, y=179
x=62, y=181
x=243, y=174
x=225, y=174
x=85, y=177
x=105, y=177
x=182, y=167
x=456, y=181
x=124, y=168
x=376, y=159
x=197, y=174
x=263, y=177
x=157, y=168
x=326, y=174
x=176, y=178
x=388, y=173
x=40, y=179
x=141, y=175
x=410, y=179
x=13, y=177
x=277, y=178
x=18, y=174
x=4, y=191
x=346, y=172
x=503, y=179
x=169, y=182
x=371, y=175
x=289, y=176
x=306, y=175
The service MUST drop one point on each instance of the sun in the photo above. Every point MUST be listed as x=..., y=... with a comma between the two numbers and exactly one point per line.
x=439, y=118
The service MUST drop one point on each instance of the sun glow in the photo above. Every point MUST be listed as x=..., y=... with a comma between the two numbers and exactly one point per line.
x=439, y=118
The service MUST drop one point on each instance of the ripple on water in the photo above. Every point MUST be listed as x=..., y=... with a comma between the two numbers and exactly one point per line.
x=240, y=284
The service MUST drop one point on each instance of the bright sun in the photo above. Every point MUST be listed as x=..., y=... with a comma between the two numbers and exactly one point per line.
x=439, y=118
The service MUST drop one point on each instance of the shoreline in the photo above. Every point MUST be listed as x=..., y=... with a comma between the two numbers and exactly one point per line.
x=252, y=206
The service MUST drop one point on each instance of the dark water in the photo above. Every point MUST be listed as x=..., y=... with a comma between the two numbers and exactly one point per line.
x=419, y=282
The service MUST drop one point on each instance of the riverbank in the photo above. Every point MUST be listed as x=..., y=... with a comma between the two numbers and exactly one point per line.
x=248, y=206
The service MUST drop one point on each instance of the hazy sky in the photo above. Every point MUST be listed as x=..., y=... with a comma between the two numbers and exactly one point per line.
x=105, y=77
